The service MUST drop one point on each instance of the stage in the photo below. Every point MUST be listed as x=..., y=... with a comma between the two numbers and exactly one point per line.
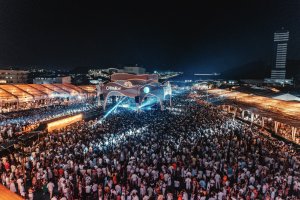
x=138, y=87
x=6, y=194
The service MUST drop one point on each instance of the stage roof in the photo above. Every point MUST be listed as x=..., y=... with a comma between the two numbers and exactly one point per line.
x=284, y=111
x=30, y=92
x=287, y=97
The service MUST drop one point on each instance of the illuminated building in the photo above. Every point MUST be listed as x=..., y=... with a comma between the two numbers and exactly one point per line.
x=13, y=76
x=16, y=96
x=278, y=73
x=281, y=39
x=134, y=70
x=138, y=87
x=51, y=80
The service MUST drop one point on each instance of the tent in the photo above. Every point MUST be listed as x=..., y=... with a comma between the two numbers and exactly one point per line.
x=287, y=97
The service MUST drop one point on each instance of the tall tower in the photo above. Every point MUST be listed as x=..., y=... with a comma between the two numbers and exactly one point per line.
x=281, y=39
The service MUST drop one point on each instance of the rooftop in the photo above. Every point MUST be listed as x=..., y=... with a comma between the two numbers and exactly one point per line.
x=283, y=111
x=29, y=92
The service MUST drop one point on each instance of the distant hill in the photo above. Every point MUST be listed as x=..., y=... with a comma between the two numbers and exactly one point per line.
x=80, y=70
x=293, y=69
x=260, y=70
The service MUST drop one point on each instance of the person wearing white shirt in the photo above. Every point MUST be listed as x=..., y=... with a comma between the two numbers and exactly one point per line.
x=145, y=197
x=217, y=180
x=19, y=182
x=169, y=196
x=95, y=188
x=150, y=191
x=22, y=190
x=134, y=179
x=54, y=198
x=185, y=196
x=135, y=197
x=142, y=190
x=50, y=187
x=66, y=192
x=220, y=195
x=30, y=194
x=118, y=189
x=188, y=183
x=88, y=189
x=12, y=187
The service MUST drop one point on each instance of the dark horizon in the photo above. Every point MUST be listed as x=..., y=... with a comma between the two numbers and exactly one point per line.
x=188, y=38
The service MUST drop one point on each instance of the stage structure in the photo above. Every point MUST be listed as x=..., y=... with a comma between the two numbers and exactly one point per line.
x=138, y=87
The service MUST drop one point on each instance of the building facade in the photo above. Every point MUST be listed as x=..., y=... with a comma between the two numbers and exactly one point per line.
x=278, y=72
x=51, y=80
x=281, y=39
x=135, y=70
x=13, y=76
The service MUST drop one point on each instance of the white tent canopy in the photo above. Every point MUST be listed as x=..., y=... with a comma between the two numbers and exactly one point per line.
x=287, y=97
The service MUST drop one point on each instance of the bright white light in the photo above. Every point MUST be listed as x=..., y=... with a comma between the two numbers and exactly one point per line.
x=146, y=90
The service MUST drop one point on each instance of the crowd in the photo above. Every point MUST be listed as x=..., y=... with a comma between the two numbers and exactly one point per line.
x=15, y=123
x=54, y=99
x=187, y=152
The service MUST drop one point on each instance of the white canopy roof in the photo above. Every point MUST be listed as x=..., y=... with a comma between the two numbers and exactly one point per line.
x=287, y=97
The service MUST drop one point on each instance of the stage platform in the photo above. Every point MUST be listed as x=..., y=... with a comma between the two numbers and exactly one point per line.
x=6, y=194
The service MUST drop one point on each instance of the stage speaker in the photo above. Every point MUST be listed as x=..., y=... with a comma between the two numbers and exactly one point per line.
x=114, y=99
x=137, y=99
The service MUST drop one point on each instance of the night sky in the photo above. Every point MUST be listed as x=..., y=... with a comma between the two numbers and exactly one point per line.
x=185, y=37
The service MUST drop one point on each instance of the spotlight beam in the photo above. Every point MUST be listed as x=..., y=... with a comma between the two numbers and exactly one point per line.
x=149, y=102
x=112, y=109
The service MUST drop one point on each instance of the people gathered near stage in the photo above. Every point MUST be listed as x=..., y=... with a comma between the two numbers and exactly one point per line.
x=186, y=152
x=14, y=123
